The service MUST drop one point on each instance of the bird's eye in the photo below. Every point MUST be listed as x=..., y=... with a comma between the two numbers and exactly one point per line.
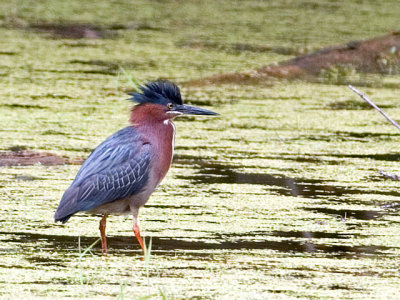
x=170, y=105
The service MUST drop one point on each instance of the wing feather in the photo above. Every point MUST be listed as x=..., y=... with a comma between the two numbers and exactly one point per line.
x=116, y=169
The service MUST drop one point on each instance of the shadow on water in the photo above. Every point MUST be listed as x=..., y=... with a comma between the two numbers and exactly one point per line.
x=218, y=173
x=46, y=261
x=73, y=31
x=167, y=245
x=378, y=135
x=348, y=213
x=24, y=106
x=376, y=156
x=283, y=185
x=85, y=30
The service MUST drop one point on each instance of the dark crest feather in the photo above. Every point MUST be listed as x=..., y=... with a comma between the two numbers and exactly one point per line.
x=158, y=92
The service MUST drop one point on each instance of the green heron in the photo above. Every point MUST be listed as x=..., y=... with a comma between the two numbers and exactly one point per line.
x=123, y=171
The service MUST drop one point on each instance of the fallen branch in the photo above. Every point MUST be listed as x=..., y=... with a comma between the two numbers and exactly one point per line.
x=365, y=98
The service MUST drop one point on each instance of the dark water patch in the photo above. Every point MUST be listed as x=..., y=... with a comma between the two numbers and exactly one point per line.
x=17, y=148
x=184, y=159
x=175, y=206
x=285, y=246
x=158, y=220
x=329, y=138
x=354, y=105
x=8, y=53
x=283, y=185
x=14, y=266
x=317, y=157
x=368, y=134
x=54, y=132
x=277, y=291
x=312, y=6
x=136, y=26
x=187, y=159
x=347, y=213
x=182, y=147
x=211, y=172
x=314, y=159
x=281, y=97
x=69, y=243
x=380, y=135
x=83, y=149
x=207, y=221
x=54, y=281
x=26, y=177
x=81, y=44
x=186, y=268
x=312, y=234
x=113, y=67
x=146, y=26
x=343, y=287
x=248, y=126
x=376, y=177
x=237, y=48
x=307, y=159
x=87, y=31
x=59, y=242
x=51, y=95
x=287, y=234
x=46, y=261
x=96, y=62
x=47, y=282
x=232, y=48
x=243, y=47
x=376, y=156
x=74, y=30
x=59, y=71
x=24, y=106
x=359, y=273
x=101, y=72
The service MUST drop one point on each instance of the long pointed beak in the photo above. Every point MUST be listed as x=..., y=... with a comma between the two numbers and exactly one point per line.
x=192, y=110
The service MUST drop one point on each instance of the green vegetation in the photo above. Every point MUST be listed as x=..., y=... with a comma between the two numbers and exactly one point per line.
x=278, y=197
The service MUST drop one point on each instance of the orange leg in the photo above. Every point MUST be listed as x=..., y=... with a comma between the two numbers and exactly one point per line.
x=136, y=231
x=102, y=228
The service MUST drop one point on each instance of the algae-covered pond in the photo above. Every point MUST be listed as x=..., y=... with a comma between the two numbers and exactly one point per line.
x=278, y=197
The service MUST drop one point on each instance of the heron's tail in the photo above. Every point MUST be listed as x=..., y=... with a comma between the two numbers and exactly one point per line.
x=68, y=205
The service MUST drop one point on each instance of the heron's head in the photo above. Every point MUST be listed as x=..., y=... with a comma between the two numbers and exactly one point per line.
x=162, y=100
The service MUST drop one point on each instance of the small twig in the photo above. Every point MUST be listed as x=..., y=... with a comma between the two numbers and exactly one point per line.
x=394, y=206
x=389, y=176
x=365, y=98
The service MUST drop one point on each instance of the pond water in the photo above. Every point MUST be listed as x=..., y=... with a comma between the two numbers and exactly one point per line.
x=278, y=197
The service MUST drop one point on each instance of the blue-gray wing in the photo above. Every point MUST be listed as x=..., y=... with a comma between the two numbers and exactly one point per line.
x=116, y=169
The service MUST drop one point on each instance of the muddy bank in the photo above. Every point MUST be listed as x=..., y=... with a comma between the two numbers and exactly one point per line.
x=377, y=55
x=29, y=158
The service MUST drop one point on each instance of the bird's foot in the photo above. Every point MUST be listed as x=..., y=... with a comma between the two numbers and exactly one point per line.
x=136, y=231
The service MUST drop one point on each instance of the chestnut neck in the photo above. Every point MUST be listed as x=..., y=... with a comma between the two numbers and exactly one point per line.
x=157, y=129
x=148, y=114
